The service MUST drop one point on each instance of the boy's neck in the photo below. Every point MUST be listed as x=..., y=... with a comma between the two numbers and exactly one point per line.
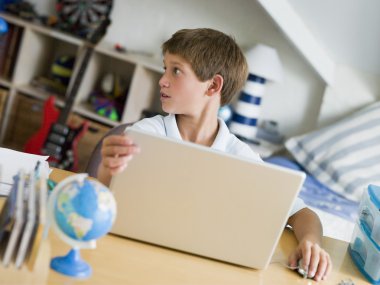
x=201, y=130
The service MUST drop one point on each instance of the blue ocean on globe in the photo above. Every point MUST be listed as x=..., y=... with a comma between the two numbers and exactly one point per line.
x=84, y=210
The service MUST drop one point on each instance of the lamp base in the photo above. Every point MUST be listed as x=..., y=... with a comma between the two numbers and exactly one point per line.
x=242, y=130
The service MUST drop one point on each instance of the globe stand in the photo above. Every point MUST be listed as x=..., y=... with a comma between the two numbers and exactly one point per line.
x=72, y=265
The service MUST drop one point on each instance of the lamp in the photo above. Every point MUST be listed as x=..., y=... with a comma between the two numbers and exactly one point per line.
x=263, y=65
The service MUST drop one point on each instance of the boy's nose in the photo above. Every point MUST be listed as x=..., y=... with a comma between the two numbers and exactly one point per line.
x=163, y=82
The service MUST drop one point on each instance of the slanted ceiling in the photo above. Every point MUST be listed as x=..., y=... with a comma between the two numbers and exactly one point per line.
x=348, y=29
x=295, y=29
x=331, y=32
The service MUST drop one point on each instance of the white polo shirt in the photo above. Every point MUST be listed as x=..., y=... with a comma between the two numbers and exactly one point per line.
x=224, y=141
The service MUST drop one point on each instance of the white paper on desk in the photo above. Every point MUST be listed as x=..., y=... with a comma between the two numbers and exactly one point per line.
x=5, y=189
x=12, y=161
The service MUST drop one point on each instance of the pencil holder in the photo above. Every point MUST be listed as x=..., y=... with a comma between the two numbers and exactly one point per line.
x=364, y=247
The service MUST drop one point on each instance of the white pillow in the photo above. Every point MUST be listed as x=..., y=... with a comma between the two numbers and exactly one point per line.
x=344, y=156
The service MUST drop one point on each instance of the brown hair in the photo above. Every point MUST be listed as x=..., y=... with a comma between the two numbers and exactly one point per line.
x=211, y=52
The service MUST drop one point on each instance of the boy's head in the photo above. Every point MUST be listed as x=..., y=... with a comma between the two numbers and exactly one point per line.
x=209, y=53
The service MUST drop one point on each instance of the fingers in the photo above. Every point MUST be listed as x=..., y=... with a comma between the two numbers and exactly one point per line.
x=316, y=260
x=117, y=164
x=117, y=140
x=118, y=145
x=320, y=263
x=117, y=151
x=324, y=267
x=293, y=259
x=306, y=256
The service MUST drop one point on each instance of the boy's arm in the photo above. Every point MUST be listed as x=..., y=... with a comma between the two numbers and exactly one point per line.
x=306, y=223
x=308, y=231
x=116, y=152
x=103, y=175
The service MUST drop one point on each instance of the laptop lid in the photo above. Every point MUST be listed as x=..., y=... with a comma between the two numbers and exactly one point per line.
x=202, y=201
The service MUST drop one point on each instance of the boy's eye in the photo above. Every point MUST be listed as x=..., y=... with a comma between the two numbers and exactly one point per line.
x=176, y=71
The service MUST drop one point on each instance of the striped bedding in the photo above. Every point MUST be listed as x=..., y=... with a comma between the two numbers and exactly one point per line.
x=344, y=156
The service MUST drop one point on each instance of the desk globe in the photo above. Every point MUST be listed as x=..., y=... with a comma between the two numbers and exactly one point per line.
x=80, y=211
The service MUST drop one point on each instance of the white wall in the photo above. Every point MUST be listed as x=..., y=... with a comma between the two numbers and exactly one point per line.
x=142, y=25
x=348, y=29
x=352, y=89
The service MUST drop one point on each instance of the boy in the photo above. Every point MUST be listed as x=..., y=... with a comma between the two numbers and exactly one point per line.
x=204, y=69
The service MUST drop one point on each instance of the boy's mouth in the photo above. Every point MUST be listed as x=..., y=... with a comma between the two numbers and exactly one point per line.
x=163, y=95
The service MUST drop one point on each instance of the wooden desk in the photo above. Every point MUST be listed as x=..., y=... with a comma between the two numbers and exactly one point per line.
x=119, y=260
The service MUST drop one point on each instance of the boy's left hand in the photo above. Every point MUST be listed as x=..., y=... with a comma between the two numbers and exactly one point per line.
x=315, y=259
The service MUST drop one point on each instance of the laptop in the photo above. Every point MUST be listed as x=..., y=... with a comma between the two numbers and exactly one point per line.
x=202, y=201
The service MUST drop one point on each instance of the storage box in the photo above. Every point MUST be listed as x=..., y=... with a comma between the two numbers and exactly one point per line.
x=365, y=244
x=25, y=120
x=369, y=213
x=365, y=254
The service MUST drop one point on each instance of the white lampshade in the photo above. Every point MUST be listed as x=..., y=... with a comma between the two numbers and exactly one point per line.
x=263, y=61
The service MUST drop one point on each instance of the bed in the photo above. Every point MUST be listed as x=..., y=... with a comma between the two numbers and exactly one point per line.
x=340, y=161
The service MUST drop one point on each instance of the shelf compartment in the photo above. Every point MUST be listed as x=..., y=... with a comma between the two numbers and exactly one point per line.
x=85, y=109
x=9, y=46
x=99, y=66
x=144, y=94
x=25, y=120
x=36, y=93
x=37, y=53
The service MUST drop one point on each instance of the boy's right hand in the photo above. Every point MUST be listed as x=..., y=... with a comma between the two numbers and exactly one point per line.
x=117, y=151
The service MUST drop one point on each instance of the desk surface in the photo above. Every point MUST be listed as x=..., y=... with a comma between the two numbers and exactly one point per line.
x=119, y=260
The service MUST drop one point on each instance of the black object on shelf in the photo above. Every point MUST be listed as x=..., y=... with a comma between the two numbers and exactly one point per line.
x=81, y=17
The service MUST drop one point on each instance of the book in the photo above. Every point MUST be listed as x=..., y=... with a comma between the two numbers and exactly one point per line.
x=7, y=212
x=27, y=234
x=40, y=230
x=11, y=52
x=18, y=222
x=23, y=218
x=5, y=40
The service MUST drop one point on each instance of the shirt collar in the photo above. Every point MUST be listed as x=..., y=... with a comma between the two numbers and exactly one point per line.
x=220, y=142
x=171, y=127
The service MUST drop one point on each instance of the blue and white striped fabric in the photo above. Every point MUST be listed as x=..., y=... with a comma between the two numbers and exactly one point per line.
x=344, y=156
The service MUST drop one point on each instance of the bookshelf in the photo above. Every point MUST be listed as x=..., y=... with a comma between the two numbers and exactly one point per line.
x=34, y=52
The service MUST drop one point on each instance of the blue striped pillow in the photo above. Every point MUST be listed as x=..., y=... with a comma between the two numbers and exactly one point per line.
x=344, y=156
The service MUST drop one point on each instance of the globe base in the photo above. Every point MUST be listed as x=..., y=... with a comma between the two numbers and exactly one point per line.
x=72, y=265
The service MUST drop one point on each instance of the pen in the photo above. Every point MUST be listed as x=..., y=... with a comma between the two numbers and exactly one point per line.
x=36, y=170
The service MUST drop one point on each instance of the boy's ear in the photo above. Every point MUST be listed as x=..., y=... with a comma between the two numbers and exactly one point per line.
x=216, y=85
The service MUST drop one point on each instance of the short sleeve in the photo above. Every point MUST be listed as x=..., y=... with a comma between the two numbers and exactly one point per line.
x=298, y=205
